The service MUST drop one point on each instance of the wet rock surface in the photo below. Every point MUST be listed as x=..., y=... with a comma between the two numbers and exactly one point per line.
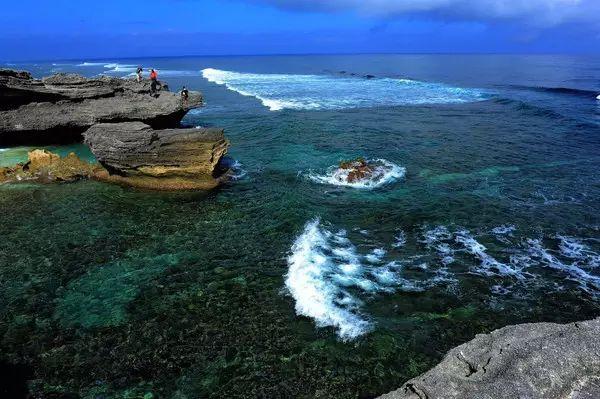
x=135, y=154
x=541, y=360
x=59, y=108
x=358, y=169
x=47, y=167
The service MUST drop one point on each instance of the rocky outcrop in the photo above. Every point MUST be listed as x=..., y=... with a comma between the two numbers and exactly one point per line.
x=131, y=132
x=137, y=155
x=357, y=169
x=58, y=109
x=47, y=167
x=540, y=360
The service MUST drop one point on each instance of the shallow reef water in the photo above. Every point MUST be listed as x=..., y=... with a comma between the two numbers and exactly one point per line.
x=278, y=286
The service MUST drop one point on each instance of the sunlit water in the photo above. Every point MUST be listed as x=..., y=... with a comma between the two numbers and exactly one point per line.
x=288, y=282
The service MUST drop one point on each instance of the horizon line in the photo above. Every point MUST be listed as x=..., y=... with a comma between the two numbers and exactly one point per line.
x=8, y=62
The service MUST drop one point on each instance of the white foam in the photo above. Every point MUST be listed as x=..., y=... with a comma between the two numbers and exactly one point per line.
x=120, y=68
x=326, y=277
x=438, y=239
x=435, y=235
x=573, y=248
x=400, y=239
x=489, y=265
x=314, y=92
x=89, y=64
x=586, y=280
x=308, y=280
x=505, y=229
x=384, y=173
x=376, y=256
x=237, y=171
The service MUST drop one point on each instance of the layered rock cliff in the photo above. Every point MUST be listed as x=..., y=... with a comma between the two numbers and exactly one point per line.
x=58, y=109
x=137, y=155
x=534, y=361
x=134, y=134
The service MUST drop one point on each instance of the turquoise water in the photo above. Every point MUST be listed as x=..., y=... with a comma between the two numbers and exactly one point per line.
x=284, y=283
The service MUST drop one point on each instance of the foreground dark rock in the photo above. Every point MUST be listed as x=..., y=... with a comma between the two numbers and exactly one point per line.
x=58, y=109
x=171, y=159
x=47, y=167
x=540, y=360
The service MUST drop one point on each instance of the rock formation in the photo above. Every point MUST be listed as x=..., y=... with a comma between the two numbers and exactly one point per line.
x=358, y=169
x=541, y=360
x=46, y=167
x=58, y=109
x=134, y=135
x=169, y=159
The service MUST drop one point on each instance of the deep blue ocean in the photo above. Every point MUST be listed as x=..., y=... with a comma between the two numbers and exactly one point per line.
x=288, y=281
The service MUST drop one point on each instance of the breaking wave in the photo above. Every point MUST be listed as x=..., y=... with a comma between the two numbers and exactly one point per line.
x=384, y=172
x=318, y=92
x=130, y=69
x=330, y=278
x=327, y=276
x=120, y=68
x=91, y=64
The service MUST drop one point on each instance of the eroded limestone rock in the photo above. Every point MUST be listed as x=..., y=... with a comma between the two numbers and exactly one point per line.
x=46, y=167
x=60, y=108
x=534, y=361
x=170, y=159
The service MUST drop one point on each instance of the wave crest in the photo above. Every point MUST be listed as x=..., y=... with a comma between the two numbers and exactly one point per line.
x=320, y=92
x=327, y=274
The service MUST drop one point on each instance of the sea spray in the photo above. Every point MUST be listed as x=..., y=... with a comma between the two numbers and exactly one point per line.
x=308, y=280
x=330, y=279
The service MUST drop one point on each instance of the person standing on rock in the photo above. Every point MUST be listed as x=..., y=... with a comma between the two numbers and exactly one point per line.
x=185, y=95
x=139, y=74
x=153, y=80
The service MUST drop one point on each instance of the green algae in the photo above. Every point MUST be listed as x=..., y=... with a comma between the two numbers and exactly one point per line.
x=100, y=297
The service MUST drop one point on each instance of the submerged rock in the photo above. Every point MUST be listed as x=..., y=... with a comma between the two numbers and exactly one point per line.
x=58, y=109
x=135, y=154
x=45, y=167
x=541, y=360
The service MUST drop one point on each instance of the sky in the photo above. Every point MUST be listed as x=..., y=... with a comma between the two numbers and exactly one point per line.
x=67, y=29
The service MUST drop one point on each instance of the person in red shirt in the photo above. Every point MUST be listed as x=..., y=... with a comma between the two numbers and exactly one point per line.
x=154, y=81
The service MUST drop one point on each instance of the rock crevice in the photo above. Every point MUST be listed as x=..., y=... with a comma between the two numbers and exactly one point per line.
x=541, y=360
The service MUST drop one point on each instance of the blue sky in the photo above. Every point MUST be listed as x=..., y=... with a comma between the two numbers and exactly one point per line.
x=65, y=29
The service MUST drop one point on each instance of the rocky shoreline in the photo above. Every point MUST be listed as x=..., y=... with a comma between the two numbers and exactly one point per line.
x=135, y=135
x=540, y=360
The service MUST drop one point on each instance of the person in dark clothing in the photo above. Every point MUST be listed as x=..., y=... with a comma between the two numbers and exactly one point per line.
x=153, y=81
x=185, y=95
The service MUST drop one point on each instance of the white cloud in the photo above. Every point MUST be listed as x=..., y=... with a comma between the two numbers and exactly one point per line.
x=535, y=12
